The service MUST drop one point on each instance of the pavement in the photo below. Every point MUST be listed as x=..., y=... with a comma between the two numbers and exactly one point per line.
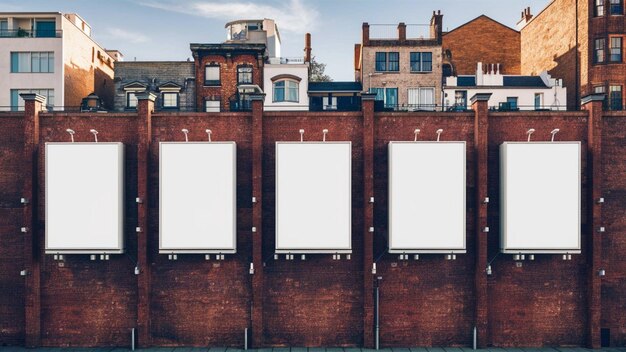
x=296, y=349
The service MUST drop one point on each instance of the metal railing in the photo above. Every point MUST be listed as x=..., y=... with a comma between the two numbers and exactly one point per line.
x=418, y=31
x=30, y=33
x=286, y=60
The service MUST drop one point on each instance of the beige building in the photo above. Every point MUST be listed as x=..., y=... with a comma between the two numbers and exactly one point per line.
x=52, y=54
x=402, y=66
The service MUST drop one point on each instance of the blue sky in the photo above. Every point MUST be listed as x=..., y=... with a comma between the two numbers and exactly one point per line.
x=163, y=29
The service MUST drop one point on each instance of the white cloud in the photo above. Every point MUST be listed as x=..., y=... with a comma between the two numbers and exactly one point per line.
x=128, y=36
x=291, y=16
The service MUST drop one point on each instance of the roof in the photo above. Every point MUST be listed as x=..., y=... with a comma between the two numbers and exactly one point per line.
x=481, y=17
x=227, y=47
x=524, y=81
x=335, y=87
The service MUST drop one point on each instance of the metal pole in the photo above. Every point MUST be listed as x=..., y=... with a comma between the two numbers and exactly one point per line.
x=475, y=339
x=377, y=320
x=132, y=339
x=245, y=339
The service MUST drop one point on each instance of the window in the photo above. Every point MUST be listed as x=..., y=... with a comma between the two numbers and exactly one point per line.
x=615, y=97
x=387, y=61
x=212, y=75
x=599, y=50
x=286, y=90
x=460, y=100
x=26, y=62
x=616, y=49
x=599, y=8
x=617, y=7
x=512, y=103
x=538, y=101
x=387, y=95
x=131, y=100
x=4, y=28
x=169, y=100
x=212, y=105
x=244, y=75
x=17, y=103
x=421, y=99
x=599, y=90
x=422, y=62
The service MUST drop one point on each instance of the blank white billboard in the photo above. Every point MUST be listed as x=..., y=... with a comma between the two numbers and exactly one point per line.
x=313, y=197
x=198, y=197
x=84, y=198
x=540, y=190
x=427, y=197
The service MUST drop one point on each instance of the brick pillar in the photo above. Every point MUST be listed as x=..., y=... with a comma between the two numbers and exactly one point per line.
x=145, y=108
x=368, y=219
x=480, y=105
x=365, y=34
x=593, y=105
x=402, y=32
x=257, y=219
x=33, y=104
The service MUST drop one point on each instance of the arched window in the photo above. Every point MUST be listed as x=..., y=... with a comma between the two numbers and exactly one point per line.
x=286, y=90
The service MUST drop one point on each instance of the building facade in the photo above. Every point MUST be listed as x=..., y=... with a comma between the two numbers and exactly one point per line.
x=172, y=82
x=52, y=54
x=508, y=92
x=481, y=40
x=403, y=71
x=580, y=41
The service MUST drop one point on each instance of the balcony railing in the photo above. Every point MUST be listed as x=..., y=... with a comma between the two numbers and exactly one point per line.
x=29, y=33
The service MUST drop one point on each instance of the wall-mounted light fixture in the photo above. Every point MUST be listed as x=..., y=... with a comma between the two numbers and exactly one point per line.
x=553, y=133
x=601, y=272
x=324, y=133
x=373, y=268
x=416, y=132
x=137, y=271
x=530, y=133
x=301, y=135
x=71, y=132
x=488, y=270
x=439, y=132
x=208, y=132
x=251, y=271
x=186, y=132
x=95, y=134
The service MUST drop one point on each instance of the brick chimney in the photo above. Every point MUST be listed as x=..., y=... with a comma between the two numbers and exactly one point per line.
x=401, y=32
x=365, y=33
x=436, y=26
x=526, y=17
x=307, y=47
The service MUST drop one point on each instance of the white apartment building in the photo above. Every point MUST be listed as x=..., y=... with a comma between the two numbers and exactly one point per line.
x=52, y=54
x=285, y=80
x=508, y=92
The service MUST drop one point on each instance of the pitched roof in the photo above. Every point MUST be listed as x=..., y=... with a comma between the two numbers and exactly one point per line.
x=481, y=17
x=335, y=87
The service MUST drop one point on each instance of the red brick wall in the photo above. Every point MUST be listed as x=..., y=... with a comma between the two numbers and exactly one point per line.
x=614, y=218
x=483, y=40
x=228, y=78
x=11, y=240
x=542, y=303
x=427, y=302
x=317, y=302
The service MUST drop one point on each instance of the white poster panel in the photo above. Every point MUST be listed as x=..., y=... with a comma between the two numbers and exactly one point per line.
x=84, y=197
x=540, y=190
x=198, y=197
x=427, y=197
x=313, y=197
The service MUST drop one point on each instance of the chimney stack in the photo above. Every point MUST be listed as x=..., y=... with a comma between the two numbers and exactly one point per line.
x=307, y=47
x=401, y=32
x=526, y=17
x=365, y=33
x=436, y=26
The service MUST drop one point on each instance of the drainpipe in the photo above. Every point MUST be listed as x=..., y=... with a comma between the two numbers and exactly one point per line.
x=377, y=313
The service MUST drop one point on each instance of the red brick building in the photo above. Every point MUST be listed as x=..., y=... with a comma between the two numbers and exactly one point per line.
x=481, y=40
x=221, y=68
x=580, y=41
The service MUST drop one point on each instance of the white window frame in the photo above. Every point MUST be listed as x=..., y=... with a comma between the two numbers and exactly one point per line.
x=176, y=101
x=286, y=88
x=421, y=105
x=212, y=82
x=212, y=106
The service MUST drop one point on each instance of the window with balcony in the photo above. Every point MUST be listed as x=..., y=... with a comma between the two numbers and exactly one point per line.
x=599, y=8
x=389, y=96
x=17, y=103
x=599, y=50
x=286, y=90
x=615, y=98
x=460, y=100
x=511, y=103
x=616, y=49
x=422, y=99
x=212, y=75
x=617, y=7
x=45, y=29
x=244, y=74
x=4, y=28
x=422, y=62
x=35, y=62
x=387, y=61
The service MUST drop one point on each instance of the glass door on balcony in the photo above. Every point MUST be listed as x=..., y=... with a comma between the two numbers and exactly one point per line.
x=45, y=29
x=4, y=28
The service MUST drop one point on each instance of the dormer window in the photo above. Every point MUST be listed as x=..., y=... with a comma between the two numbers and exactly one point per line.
x=132, y=89
x=170, y=95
